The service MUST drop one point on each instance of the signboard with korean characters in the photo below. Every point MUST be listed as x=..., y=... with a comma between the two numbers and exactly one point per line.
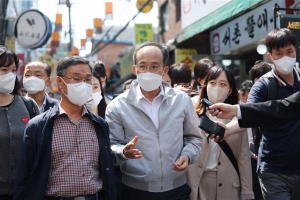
x=32, y=29
x=143, y=33
x=193, y=10
x=186, y=56
x=246, y=29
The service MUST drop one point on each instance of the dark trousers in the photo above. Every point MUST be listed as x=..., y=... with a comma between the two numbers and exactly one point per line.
x=255, y=181
x=279, y=186
x=180, y=193
x=6, y=197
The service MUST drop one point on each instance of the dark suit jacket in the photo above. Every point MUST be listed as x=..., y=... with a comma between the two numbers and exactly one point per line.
x=50, y=103
x=270, y=112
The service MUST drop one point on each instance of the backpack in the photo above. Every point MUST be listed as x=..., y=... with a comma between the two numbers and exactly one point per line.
x=30, y=107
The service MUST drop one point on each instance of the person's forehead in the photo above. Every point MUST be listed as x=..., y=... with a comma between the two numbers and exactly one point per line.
x=79, y=69
x=35, y=67
x=148, y=51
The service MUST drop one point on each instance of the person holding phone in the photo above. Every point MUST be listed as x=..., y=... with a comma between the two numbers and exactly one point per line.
x=213, y=176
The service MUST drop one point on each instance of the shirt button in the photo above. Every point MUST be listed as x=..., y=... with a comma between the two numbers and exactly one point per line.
x=107, y=169
x=220, y=184
x=219, y=163
x=83, y=174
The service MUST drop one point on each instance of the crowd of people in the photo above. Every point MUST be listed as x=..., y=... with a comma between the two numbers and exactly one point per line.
x=146, y=143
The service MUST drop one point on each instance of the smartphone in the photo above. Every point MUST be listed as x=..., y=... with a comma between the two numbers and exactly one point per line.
x=211, y=127
x=206, y=102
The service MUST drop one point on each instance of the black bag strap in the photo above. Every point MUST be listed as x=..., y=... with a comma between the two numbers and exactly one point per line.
x=30, y=107
x=227, y=150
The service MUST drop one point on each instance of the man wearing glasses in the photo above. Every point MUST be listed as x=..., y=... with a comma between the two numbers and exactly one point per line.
x=65, y=151
x=159, y=126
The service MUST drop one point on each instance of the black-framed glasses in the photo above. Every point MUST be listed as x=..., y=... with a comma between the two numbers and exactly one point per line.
x=79, y=80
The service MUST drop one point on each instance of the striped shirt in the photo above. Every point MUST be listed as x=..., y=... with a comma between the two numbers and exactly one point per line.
x=74, y=168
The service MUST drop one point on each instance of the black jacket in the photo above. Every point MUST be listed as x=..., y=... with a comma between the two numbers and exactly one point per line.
x=270, y=112
x=50, y=103
x=35, y=156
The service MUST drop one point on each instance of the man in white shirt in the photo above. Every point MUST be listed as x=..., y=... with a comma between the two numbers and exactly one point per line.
x=162, y=126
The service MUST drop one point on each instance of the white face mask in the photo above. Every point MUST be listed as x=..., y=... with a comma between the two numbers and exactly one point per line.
x=33, y=84
x=217, y=94
x=94, y=100
x=285, y=64
x=78, y=93
x=7, y=83
x=149, y=81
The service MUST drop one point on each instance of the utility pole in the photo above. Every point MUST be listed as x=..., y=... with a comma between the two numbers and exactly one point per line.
x=68, y=4
x=3, y=7
x=70, y=25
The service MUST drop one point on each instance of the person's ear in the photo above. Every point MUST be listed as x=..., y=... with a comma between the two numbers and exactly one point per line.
x=230, y=91
x=134, y=69
x=48, y=81
x=58, y=81
x=269, y=56
x=166, y=70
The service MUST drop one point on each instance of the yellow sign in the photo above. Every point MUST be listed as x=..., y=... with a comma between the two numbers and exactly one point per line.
x=126, y=63
x=143, y=33
x=293, y=25
x=185, y=56
x=147, y=8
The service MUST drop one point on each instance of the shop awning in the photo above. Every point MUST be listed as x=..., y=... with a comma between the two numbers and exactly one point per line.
x=226, y=12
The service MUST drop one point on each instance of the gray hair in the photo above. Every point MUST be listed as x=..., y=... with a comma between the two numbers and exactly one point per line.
x=69, y=61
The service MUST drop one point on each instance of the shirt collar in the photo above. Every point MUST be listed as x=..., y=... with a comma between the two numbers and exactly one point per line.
x=139, y=94
x=62, y=111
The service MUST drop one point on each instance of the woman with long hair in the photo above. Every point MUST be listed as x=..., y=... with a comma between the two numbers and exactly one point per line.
x=14, y=116
x=213, y=176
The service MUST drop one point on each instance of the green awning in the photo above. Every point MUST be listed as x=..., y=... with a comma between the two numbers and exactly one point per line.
x=224, y=13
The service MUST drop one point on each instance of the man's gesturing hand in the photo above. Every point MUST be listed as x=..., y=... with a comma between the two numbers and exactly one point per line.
x=129, y=150
x=182, y=163
x=223, y=111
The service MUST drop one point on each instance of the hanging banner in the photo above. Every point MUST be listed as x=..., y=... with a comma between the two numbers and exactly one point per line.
x=143, y=33
x=292, y=22
x=186, y=56
x=126, y=63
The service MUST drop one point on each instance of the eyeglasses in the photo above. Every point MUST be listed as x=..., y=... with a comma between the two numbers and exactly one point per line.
x=79, y=80
x=144, y=68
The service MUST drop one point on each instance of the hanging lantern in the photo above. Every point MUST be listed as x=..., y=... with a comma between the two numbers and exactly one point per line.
x=58, y=22
x=75, y=51
x=82, y=44
x=108, y=10
x=89, y=34
x=55, y=39
x=97, y=25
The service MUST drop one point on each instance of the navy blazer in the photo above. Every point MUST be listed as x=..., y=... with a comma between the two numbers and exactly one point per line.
x=270, y=112
x=50, y=103
x=35, y=156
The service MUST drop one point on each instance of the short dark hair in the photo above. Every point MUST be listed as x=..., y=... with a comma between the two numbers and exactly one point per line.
x=7, y=58
x=201, y=68
x=260, y=68
x=181, y=73
x=68, y=61
x=99, y=68
x=246, y=87
x=163, y=49
x=280, y=37
x=47, y=69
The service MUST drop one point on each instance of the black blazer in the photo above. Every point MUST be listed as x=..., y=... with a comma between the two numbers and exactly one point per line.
x=50, y=103
x=270, y=112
